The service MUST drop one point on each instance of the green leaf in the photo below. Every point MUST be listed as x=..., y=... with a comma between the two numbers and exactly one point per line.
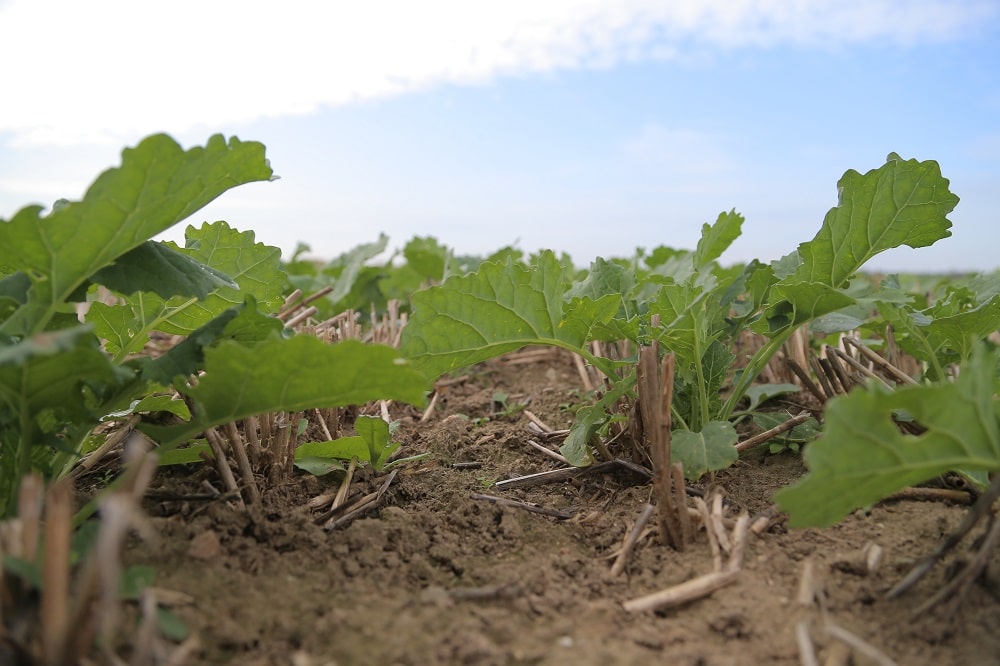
x=903, y=202
x=254, y=267
x=616, y=329
x=342, y=272
x=14, y=288
x=716, y=238
x=171, y=625
x=46, y=371
x=603, y=278
x=582, y=317
x=243, y=324
x=371, y=445
x=157, y=186
x=662, y=255
x=499, y=309
x=28, y=572
x=761, y=393
x=375, y=432
x=682, y=309
x=321, y=458
x=159, y=268
x=134, y=580
x=862, y=456
x=576, y=448
x=300, y=373
x=427, y=257
x=806, y=431
x=711, y=449
x=188, y=455
x=152, y=403
x=250, y=326
x=716, y=367
x=961, y=331
x=841, y=321
x=942, y=334
x=800, y=302
x=43, y=401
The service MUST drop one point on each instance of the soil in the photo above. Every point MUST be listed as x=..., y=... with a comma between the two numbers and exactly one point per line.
x=433, y=576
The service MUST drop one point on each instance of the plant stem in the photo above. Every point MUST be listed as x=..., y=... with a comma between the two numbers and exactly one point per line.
x=702, y=388
x=22, y=462
x=931, y=355
x=605, y=365
x=753, y=369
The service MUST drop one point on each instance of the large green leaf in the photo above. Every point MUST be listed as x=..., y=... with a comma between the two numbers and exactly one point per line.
x=157, y=186
x=800, y=302
x=243, y=323
x=499, y=309
x=253, y=266
x=903, y=202
x=291, y=375
x=863, y=457
x=159, y=268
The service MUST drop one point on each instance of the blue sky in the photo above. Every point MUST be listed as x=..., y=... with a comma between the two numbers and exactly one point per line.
x=590, y=128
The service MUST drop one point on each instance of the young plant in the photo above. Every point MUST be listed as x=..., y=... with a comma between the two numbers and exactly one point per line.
x=701, y=306
x=59, y=378
x=373, y=444
x=863, y=457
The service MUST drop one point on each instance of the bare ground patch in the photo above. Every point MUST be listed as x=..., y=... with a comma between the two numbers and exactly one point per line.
x=435, y=577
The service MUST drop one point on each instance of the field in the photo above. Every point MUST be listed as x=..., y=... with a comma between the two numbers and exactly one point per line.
x=213, y=455
x=433, y=576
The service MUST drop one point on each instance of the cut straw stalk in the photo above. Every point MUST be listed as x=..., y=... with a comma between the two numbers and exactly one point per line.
x=633, y=537
x=55, y=592
x=760, y=438
x=696, y=588
x=701, y=586
x=655, y=385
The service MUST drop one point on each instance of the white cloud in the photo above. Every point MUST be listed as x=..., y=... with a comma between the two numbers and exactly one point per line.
x=108, y=70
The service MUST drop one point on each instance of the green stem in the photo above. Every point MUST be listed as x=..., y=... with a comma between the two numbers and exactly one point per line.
x=22, y=464
x=605, y=365
x=678, y=419
x=931, y=355
x=702, y=387
x=753, y=369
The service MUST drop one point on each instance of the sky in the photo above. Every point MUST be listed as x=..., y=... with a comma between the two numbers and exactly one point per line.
x=588, y=127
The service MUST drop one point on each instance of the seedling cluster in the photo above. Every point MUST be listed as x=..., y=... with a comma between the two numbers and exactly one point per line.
x=212, y=349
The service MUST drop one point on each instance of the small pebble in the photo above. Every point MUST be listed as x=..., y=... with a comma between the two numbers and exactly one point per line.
x=205, y=546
